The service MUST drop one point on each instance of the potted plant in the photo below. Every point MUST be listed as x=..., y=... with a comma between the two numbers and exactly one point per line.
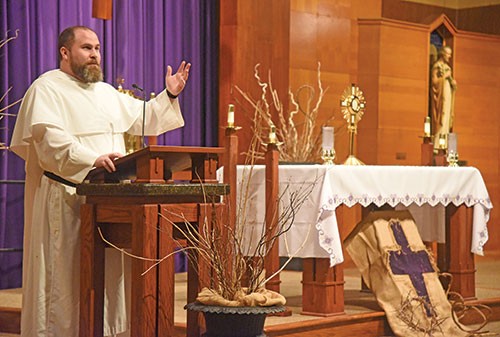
x=236, y=303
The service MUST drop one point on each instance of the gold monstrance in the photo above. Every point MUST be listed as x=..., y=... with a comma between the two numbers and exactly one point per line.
x=353, y=106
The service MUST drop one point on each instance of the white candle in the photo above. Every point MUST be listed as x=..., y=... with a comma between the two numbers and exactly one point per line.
x=427, y=126
x=441, y=141
x=230, y=115
x=328, y=138
x=272, y=135
x=452, y=142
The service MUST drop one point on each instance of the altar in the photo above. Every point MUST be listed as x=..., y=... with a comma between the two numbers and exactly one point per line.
x=429, y=192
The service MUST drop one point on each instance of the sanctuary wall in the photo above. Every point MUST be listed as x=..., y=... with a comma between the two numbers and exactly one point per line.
x=383, y=47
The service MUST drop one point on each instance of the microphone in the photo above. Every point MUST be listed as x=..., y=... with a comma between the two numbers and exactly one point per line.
x=135, y=86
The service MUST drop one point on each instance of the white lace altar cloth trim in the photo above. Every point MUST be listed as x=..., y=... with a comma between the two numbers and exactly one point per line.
x=350, y=185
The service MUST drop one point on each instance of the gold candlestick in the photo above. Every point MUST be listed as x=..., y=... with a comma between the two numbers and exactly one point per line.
x=353, y=106
x=328, y=155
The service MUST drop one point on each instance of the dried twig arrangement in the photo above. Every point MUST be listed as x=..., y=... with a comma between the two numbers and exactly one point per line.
x=3, y=42
x=300, y=138
x=224, y=249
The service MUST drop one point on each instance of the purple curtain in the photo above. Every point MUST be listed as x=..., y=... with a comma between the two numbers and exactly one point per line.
x=143, y=37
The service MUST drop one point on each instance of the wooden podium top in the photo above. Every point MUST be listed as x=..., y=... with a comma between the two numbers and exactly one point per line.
x=155, y=164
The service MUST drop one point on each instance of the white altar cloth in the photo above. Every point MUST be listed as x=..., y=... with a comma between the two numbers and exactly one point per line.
x=332, y=186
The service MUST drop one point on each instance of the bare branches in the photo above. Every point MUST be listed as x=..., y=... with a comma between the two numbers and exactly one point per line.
x=297, y=129
x=234, y=256
x=3, y=42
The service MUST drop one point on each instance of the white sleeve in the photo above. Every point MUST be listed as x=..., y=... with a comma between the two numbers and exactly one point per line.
x=162, y=115
x=59, y=153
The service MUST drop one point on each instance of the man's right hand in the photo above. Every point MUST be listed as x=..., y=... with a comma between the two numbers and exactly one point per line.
x=106, y=161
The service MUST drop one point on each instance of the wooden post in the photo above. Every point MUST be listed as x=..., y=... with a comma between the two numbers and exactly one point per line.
x=322, y=288
x=322, y=285
x=271, y=262
x=102, y=9
x=91, y=275
x=144, y=243
x=166, y=275
x=461, y=259
x=230, y=162
x=427, y=152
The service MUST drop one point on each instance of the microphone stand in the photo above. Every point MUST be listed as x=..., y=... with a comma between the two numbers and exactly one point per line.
x=143, y=111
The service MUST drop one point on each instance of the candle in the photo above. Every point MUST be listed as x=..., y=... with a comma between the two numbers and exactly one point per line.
x=452, y=142
x=427, y=126
x=230, y=115
x=441, y=141
x=272, y=135
x=328, y=139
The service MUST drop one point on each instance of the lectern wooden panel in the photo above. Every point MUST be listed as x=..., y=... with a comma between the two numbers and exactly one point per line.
x=139, y=216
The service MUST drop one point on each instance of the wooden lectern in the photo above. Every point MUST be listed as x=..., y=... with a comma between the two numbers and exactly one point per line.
x=134, y=207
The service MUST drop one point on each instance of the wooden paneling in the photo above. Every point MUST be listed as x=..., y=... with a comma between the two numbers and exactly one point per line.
x=387, y=58
x=325, y=31
x=392, y=72
x=477, y=120
x=482, y=19
x=415, y=12
x=251, y=32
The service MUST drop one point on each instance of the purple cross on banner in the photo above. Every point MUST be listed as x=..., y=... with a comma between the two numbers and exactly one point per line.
x=408, y=262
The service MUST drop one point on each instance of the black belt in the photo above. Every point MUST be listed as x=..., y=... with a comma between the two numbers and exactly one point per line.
x=61, y=180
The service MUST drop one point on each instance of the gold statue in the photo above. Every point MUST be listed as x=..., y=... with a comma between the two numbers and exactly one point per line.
x=443, y=88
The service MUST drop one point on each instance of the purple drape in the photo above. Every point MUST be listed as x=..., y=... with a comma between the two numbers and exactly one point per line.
x=143, y=37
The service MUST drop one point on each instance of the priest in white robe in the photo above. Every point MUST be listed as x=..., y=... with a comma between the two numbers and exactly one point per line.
x=70, y=122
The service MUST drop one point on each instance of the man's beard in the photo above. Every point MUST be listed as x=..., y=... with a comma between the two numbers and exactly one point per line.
x=89, y=73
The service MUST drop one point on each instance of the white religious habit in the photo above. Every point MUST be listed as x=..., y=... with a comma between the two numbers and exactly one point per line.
x=63, y=125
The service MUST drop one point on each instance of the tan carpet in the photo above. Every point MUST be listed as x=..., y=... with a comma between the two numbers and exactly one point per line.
x=487, y=286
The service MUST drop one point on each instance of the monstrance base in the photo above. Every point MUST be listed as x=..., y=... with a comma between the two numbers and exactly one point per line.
x=351, y=160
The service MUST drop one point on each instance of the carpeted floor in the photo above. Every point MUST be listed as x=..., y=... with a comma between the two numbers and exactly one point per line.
x=487, y=286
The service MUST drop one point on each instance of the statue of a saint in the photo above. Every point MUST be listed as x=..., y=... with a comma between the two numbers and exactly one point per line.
x=442, y=96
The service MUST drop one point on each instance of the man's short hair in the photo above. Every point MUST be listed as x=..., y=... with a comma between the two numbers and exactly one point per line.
x=67, y=37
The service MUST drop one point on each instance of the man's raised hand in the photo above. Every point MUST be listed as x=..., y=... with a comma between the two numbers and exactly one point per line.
x=175, y=83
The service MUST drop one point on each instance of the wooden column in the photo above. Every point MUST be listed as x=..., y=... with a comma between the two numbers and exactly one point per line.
x=166, y=275
x=461, y=260
x=322, y=288
x=92, y=275
x=144, y=243
x=252, y=32
x=230, y=173
x=427, y=152
x=199, y=273
x=322, y=285
x=102, y=9
x=272, y=261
